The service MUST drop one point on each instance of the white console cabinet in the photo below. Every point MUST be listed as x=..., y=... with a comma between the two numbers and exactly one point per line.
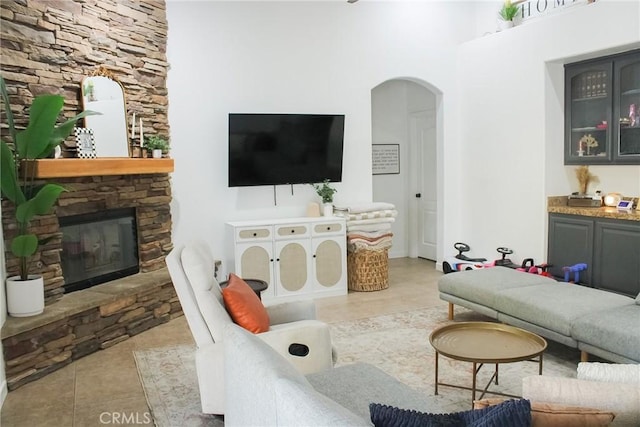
x=297, y=257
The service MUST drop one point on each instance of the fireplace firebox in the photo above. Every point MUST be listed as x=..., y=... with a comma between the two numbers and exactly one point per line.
x=98, y=247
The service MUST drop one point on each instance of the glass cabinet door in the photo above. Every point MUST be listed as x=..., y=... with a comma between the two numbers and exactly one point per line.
x=627, y=109
x=588, y=113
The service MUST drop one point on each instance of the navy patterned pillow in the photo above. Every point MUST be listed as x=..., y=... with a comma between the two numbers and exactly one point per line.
x=512, y=413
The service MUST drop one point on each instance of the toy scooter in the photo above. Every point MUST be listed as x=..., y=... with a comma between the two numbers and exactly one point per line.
x=461, y=261
x=504, y=261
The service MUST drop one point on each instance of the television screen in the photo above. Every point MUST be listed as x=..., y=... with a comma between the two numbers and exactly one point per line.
x=273, y=149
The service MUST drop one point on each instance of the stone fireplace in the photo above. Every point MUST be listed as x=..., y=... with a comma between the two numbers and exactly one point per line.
x=78, y=323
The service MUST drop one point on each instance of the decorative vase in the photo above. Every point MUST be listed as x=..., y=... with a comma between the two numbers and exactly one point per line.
x=25, y=297
x=157, y=154
x=327, y=209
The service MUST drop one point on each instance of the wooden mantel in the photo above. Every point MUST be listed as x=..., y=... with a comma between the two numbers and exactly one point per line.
x=67, y=168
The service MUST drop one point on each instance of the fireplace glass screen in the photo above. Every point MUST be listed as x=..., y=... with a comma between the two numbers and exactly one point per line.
x=98, y=247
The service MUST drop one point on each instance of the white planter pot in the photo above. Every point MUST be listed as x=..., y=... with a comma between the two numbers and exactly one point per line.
x=504, y=25
x=157, y=154
x=25, y=298
x=327, y=209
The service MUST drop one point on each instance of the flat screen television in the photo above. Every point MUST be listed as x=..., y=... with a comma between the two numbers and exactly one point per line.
x=274, y=149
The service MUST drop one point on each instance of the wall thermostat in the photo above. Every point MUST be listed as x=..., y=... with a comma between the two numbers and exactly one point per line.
x=625, y=205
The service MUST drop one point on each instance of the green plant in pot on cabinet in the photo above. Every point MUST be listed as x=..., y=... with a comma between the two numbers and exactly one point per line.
x=25, y=292
x=157, y=145
x=326, y=192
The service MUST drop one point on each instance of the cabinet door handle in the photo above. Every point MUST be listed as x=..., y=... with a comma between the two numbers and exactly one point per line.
x=293, y=231
x=278, y=259
x=329, y=228
x=314, y=255
x=255, y=234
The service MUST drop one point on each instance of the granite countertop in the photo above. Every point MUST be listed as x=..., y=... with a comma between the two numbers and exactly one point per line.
x=558, y=204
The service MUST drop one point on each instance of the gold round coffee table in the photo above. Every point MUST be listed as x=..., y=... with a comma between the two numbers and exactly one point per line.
x=485, y=342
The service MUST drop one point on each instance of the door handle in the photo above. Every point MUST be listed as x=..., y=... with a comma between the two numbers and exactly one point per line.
x=418, y=195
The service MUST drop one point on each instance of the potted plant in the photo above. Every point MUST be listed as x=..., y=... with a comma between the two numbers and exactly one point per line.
x=157, y=145
x=507, y=13
x=326, y=192
x=25, y=292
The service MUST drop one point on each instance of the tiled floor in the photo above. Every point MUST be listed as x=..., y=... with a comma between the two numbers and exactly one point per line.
x=104, y=389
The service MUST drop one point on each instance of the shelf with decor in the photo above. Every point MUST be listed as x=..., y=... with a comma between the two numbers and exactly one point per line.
x=67, y=168
x=602, y=110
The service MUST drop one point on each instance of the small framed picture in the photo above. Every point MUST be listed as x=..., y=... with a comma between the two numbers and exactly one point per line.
x=85, y=143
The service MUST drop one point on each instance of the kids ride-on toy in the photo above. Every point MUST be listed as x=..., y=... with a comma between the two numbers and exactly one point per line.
x=461, y=261
x=504, y=261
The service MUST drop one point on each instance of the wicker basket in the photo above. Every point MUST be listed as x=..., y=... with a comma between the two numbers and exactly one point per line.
x=368, y=270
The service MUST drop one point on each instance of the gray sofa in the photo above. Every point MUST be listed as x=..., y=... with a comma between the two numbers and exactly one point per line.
x=262, y=388
x=597, y=322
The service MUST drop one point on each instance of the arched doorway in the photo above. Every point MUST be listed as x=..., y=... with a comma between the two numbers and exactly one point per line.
x=406, y=113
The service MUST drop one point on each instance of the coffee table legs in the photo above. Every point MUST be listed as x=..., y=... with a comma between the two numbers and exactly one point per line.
x=476, y=368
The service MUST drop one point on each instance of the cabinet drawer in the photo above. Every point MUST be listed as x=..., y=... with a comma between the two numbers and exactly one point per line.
x=253, y=233
x=328, y=228
x=291, y=230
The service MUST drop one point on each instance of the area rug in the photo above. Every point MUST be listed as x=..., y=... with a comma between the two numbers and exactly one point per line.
x=396, y=343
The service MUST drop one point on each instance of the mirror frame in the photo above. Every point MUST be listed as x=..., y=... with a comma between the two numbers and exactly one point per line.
x=101, y=123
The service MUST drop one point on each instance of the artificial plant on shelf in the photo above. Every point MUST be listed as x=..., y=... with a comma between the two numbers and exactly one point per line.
x=18, y=183
x=585, y=177
x=325, y=191
x=156, y=142
x=508, y=11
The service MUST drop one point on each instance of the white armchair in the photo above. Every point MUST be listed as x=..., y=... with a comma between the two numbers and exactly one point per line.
x=192, y=271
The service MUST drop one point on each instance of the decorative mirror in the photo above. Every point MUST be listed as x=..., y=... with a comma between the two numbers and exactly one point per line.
x=102, y=93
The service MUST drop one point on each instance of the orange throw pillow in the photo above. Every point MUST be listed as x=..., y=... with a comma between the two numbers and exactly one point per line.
x=244, y=306
x=545, y=414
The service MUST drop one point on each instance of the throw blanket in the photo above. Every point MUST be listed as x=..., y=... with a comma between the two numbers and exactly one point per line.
x=369, y=236
x=386, y=213
x=384, y=226
x=609, y=372
x=369, y=221
x=367, y=207
x=355, y=246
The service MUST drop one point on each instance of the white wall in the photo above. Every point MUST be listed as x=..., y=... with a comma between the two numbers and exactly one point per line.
x=322, y=57
x=391, y=104
x=511, y=118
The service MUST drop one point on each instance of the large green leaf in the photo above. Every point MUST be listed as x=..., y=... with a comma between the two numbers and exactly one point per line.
x=24, y=245
x=9, y=181
x=34, y=140
x=61, y=132
x=7, y=109
x=41, y=204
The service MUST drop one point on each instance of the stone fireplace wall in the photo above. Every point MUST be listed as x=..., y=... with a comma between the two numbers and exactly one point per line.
x=48, y=46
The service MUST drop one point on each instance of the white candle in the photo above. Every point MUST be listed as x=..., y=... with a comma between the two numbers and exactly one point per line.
x=141, y=134
x=133, y=128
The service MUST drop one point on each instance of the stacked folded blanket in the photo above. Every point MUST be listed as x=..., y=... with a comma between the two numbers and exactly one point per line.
x=368, y=225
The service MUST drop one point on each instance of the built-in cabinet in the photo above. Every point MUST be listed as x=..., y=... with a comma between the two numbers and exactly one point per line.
x=298, y=258
x=602, y=110
x=609, y=247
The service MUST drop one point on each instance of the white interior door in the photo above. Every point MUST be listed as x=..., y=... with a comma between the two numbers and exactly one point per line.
x=423, y=138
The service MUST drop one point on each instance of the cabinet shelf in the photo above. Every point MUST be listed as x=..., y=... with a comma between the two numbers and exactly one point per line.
x=590, y=98
x=631, y=92
x=69, y=168
x=588, y=129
